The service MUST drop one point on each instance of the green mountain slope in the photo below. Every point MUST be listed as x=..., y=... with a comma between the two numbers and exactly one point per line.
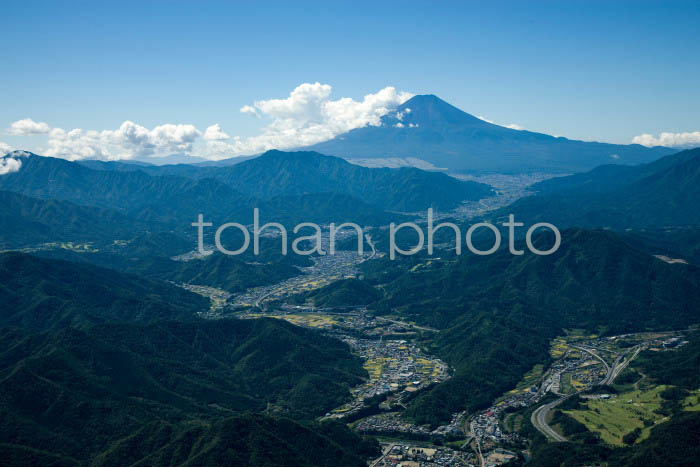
x=278, y=173
x=168, y=199
x=662, y=194
x=43, y=294
x=242, y=440
x=138, y=392
x=28, y=221
x=224, y=194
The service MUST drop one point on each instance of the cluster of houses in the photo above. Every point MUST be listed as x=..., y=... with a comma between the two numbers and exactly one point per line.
x=410, y=455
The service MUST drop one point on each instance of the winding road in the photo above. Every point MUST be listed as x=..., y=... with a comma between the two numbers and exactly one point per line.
x=619, y=366
x=595, y=354
x=539, y=416
x=539, y=420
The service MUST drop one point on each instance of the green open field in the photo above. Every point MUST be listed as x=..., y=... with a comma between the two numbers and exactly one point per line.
x=614, y=418
x=692, y=402
x=312, y=320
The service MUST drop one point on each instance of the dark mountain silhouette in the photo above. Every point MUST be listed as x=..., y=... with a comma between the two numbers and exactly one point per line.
x=168, y=199
x=664, y=193
x=41, y=294
x=428, y=128
x=172, y=393
x=275, y=182
x=278, y=173
x=28, y=221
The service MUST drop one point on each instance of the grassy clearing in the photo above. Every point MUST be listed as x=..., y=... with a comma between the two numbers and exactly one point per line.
x=692, y=402
x=616, y=417
x=531, y=378
x=312, y=320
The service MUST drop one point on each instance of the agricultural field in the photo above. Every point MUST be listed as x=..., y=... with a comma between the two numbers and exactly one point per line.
x=311, y=320
x=558, y=347
x=613, y=418
x=531, y=378
x=375, y=367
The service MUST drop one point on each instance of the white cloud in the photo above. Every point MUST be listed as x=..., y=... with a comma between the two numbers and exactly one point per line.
x=128, y=141
x=669, y=139
x=305, y=102
x=308, y=116
x=215, y=133
x=9, y=165
x=78, y=144
x=249, y=109
x=170, y=137
x=512, y=126
x=27, y=126
x=4, y=148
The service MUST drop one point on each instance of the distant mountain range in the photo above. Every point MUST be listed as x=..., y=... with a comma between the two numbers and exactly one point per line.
x=664, y=193
x=29, y=221
x=171, y=193
x=278, y=173
x=427, y=128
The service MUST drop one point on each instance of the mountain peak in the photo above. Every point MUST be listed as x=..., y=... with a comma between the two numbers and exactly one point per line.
x=19, y=153
x=430, y=111
x=429, y=129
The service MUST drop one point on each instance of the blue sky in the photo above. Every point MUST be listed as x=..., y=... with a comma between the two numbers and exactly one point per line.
x=606, y=71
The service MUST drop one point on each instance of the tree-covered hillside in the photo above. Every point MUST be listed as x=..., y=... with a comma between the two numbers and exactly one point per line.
x=132, y=392
x=278, y=173
x=42, y=294
x=662, y=194
x=28, y=221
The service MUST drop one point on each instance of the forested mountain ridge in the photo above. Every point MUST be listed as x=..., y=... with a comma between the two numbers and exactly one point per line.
x=85, y=394
x=28, y=221
x=231, y=192
x=662, y=194
x=278, y=173
x=41, y=294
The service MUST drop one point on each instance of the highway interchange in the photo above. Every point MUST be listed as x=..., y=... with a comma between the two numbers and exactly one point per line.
x=540, y=415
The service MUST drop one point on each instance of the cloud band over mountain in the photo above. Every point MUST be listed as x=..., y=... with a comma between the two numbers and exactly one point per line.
x=307, y=116
x=674, y=140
